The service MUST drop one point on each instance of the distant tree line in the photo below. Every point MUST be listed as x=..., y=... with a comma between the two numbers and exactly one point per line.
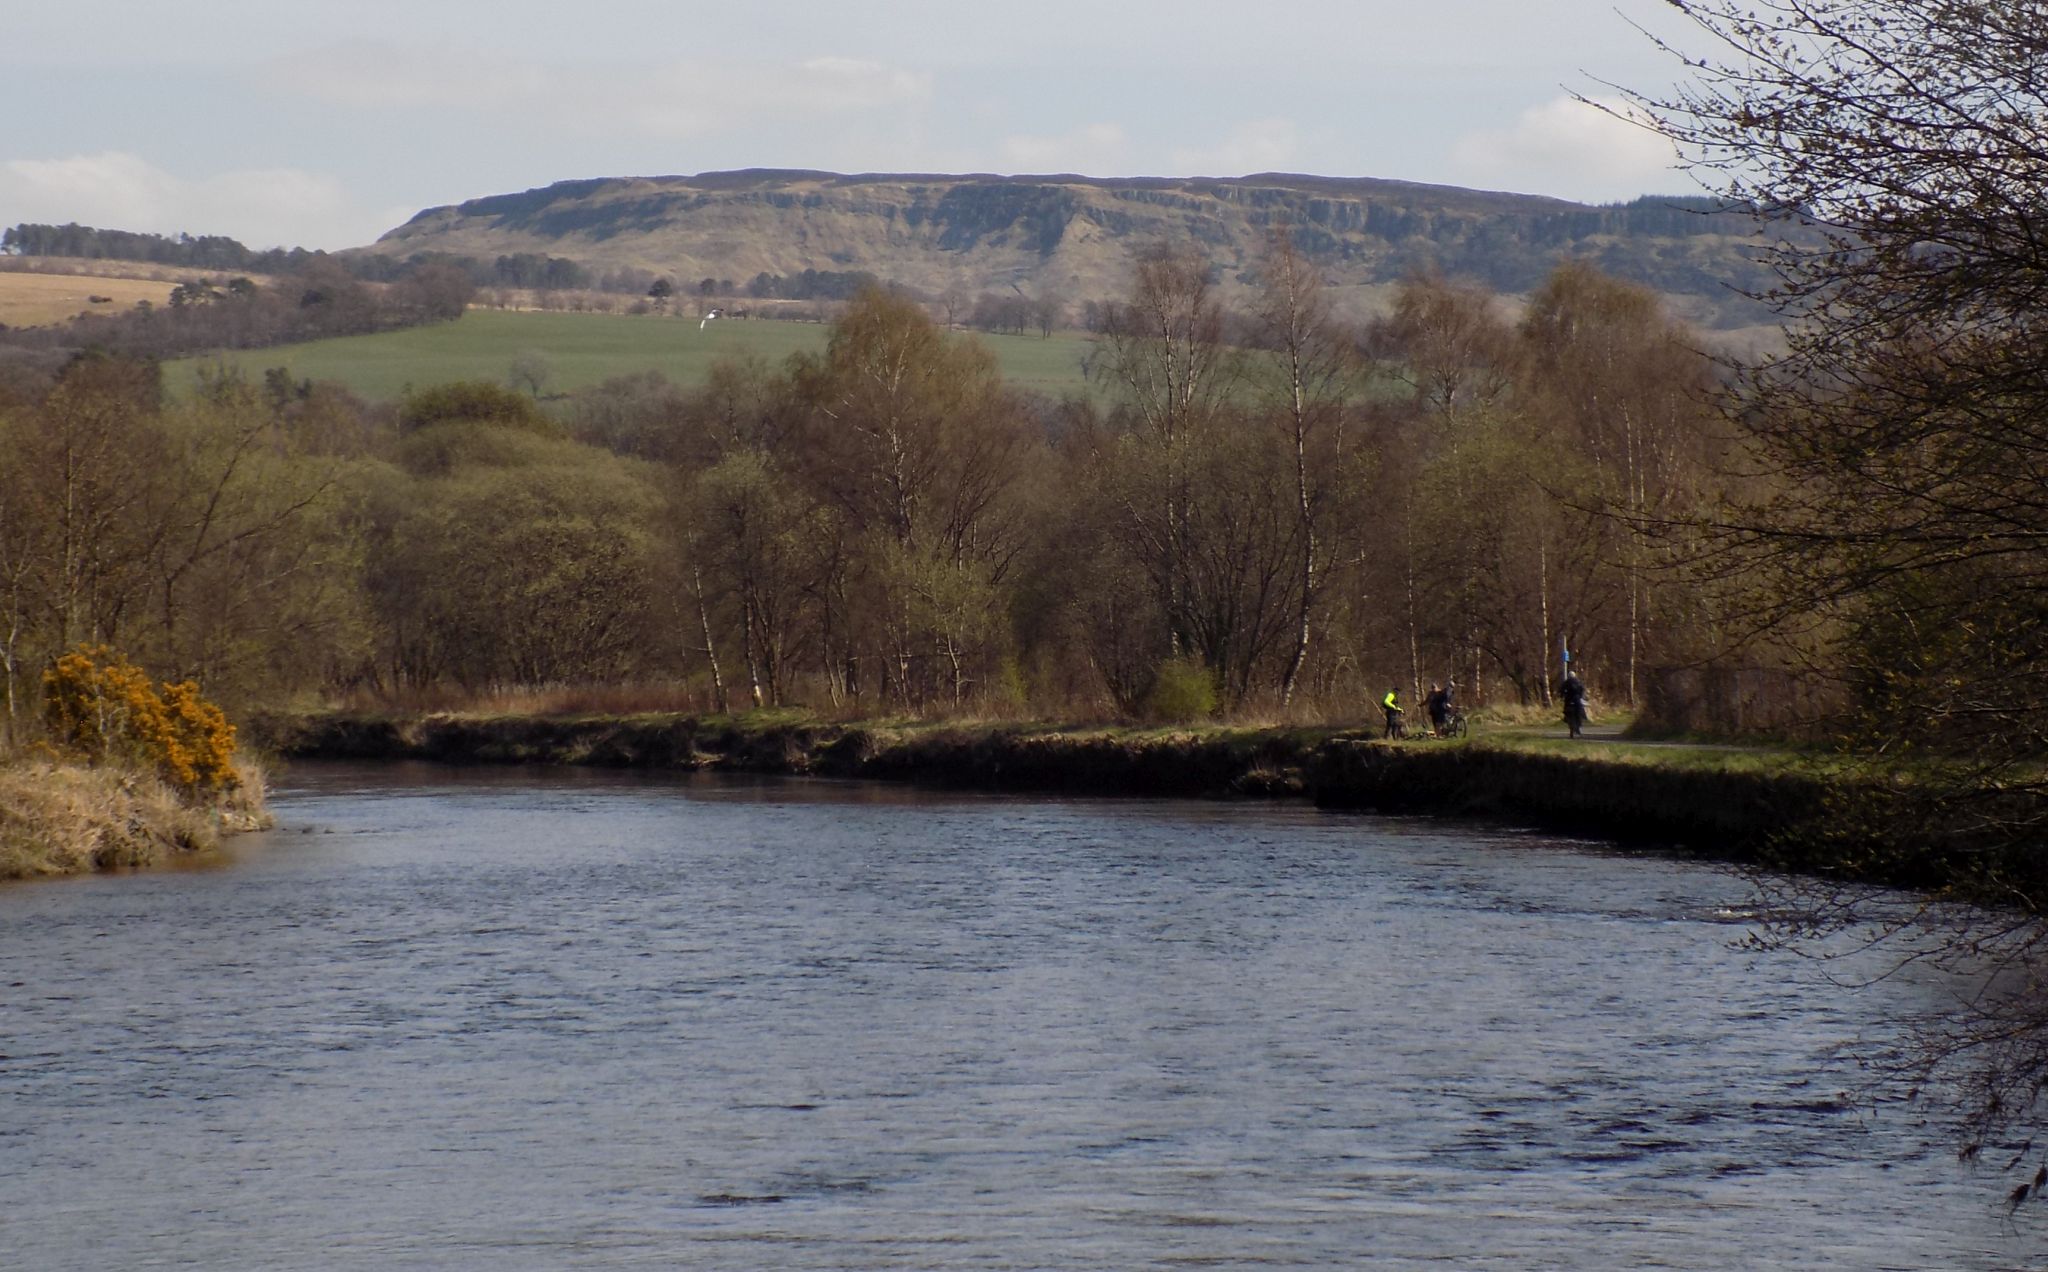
x=812, y=284
x=206, y=251
x=1014, y=314
x=531, y=270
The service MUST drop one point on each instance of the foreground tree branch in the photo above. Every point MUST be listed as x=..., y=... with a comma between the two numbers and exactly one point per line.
x=1896, y=153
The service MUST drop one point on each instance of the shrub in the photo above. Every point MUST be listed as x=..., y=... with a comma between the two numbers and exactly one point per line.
x=1182, y=691
x=101, y=707
x=470, y=401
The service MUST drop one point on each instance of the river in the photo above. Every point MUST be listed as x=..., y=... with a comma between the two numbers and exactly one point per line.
x=520, y=1019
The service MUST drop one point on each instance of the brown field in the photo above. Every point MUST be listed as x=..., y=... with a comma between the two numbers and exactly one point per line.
x=35, y=300
x=36, y=290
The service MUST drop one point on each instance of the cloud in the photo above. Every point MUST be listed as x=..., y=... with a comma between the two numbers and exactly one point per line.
x=1094, y=149
x=678, y=98
x=1259, y=145
x=1570, y=150
x=264, y=207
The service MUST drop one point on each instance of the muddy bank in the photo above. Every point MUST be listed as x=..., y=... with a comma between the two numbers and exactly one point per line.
x=1735, y=816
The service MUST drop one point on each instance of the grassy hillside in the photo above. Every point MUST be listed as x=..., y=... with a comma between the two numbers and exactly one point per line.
x=585, y=349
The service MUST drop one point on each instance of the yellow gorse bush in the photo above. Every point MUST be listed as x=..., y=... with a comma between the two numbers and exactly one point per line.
x=102, y=707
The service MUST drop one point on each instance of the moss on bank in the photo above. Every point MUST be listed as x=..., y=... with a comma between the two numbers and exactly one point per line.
x=1197, y=762
x=60, y=819
x=1714, y=810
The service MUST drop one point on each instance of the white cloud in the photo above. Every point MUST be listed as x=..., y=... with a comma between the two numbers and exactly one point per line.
x=1259, y=145
x=1094, y=149
x=364, y=74
x=676, y=98
x=264, y=207
x=1572, y=150
x=846, y=82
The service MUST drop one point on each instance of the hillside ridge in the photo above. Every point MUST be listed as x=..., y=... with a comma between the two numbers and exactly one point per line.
x=1071, y=238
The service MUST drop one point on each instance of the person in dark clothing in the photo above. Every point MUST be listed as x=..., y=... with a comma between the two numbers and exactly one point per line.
x=1391, y=704
x=1439, y=705
x=1573, y=691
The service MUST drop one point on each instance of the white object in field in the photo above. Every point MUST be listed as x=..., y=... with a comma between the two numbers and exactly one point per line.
x=708, y=316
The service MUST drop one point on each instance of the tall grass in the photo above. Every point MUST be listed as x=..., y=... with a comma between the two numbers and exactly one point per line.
x=61, y=819
x=58, y=818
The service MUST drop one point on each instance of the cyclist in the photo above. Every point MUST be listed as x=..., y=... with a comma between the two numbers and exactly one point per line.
x=1439, y=704
x=1573, y=691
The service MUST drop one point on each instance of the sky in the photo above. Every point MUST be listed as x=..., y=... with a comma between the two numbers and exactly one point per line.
x=322, y=125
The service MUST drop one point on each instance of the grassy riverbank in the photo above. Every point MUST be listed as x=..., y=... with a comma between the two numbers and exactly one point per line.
x=60, y=819
x=1727, y=803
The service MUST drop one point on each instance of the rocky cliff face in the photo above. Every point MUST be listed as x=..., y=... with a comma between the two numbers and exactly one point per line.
x=1072, y=238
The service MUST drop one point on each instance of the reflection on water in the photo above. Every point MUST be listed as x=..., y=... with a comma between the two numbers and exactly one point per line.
x=495, y=1018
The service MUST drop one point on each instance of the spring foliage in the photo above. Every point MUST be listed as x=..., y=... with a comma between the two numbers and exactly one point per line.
x=1183, y=692
x=104, y=709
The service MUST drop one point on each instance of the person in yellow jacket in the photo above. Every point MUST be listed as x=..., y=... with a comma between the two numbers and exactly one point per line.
x=1391, y=704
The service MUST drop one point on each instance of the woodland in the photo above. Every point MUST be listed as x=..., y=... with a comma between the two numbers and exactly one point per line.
x=1281, y=523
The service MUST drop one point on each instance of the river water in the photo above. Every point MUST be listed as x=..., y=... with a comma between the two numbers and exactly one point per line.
x=518, y=1019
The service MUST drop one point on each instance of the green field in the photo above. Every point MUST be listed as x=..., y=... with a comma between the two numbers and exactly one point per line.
x=586, y=349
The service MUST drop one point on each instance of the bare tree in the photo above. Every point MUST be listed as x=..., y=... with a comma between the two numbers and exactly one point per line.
x=1307, y=381
x=1621, y=386
x=530, y=371
x=1449, y=343
x=1165, y=349
x=1894, y=149
x=914, y=440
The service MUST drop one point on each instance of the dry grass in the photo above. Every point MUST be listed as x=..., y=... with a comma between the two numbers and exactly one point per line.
x=37, y=300
x=39, y=290
x=644, y=698
x=60, y=819
x=247, y=806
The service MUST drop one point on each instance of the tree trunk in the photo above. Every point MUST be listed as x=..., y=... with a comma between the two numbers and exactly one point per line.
x=748, y=652
x=1414, y=638
x=710, y=649
x=1543, y=595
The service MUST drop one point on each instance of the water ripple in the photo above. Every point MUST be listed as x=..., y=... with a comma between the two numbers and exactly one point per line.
x=547, y=1020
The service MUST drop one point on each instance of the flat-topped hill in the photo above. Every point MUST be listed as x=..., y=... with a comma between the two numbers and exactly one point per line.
x=1071, y=238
